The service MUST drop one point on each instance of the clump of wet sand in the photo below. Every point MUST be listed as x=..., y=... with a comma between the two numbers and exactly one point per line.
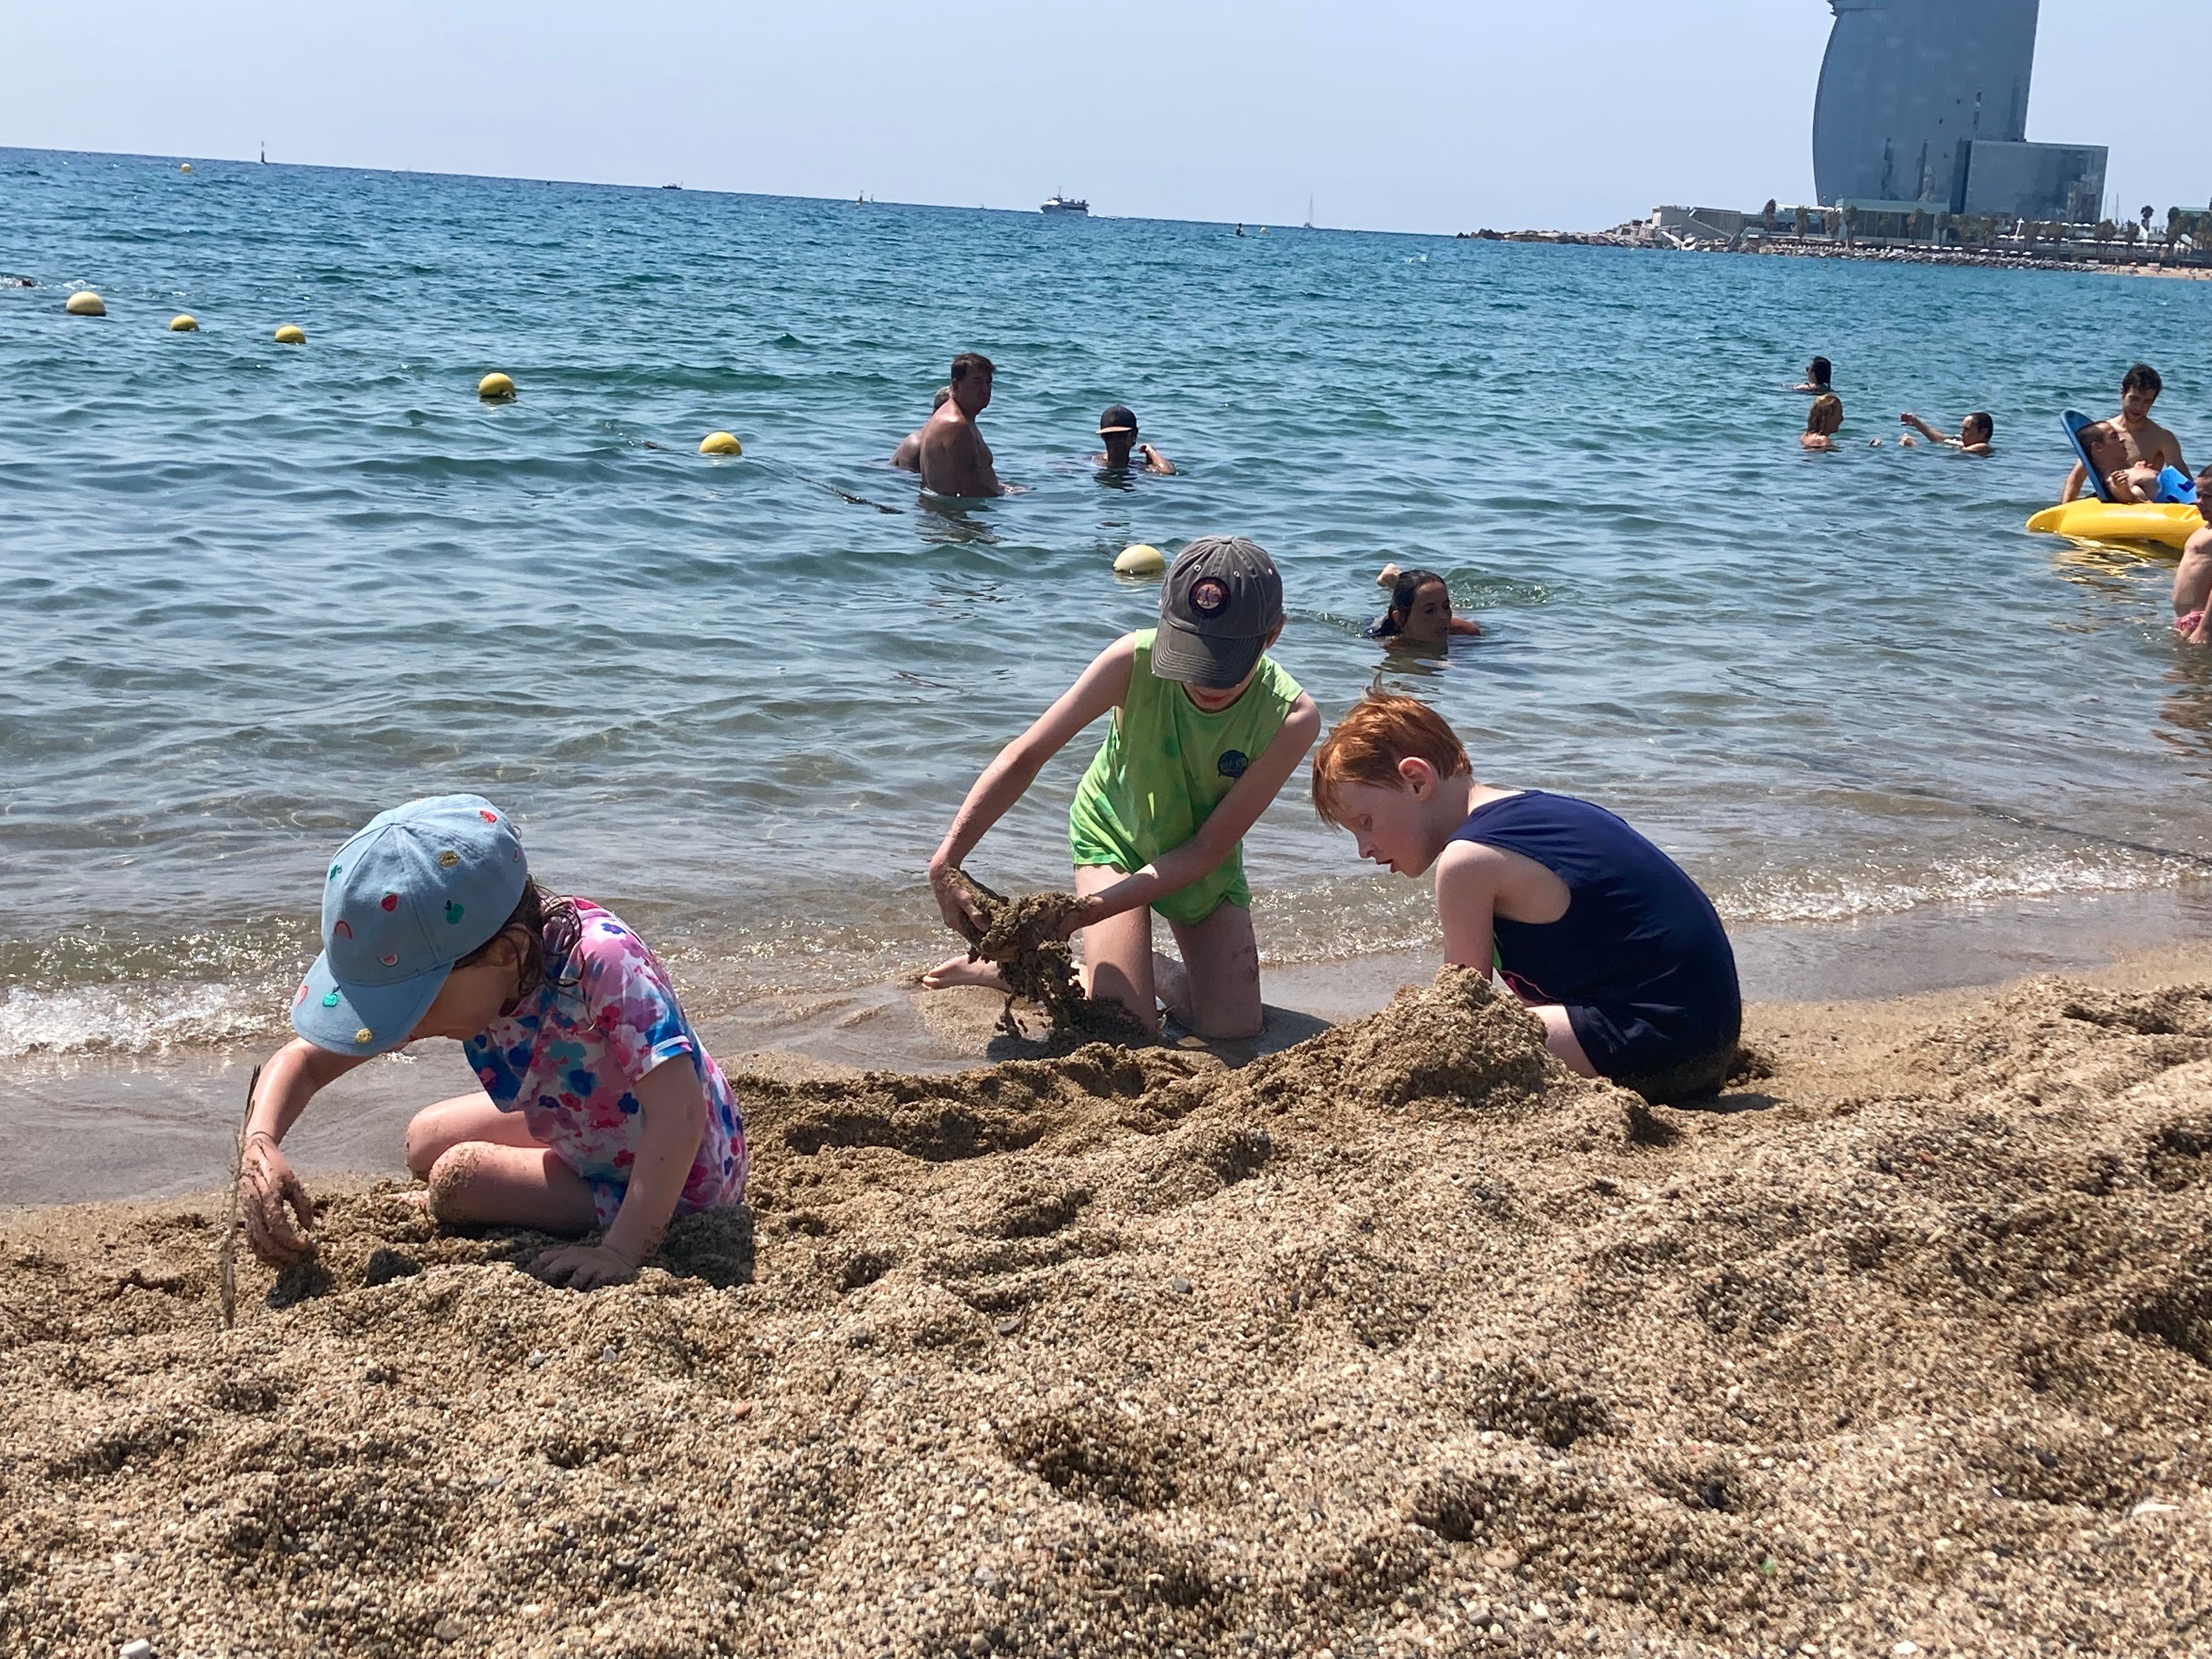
x=1402, y=1341
x=1026, y=938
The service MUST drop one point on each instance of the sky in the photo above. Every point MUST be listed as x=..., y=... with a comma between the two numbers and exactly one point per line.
x=1418, y=115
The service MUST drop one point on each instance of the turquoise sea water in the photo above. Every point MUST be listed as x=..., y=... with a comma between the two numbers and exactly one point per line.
x=254, y=593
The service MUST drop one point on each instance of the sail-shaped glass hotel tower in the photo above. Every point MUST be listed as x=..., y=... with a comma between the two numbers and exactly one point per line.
x=1925, y=102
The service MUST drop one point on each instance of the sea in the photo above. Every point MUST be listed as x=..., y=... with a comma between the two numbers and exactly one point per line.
x=255, y=593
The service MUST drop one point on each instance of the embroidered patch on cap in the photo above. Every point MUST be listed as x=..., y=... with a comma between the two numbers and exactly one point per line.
x=364, y=1035
x=452, y=911
x=389, y=961
x=330, y=999
x=489, y=817
x=341, y=929
x=302, y=995
x=390, y=901
x=448, y=859
x=1209, y=595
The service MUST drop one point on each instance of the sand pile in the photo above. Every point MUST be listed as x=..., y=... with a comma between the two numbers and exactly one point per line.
x=1399, y=1342
x=1026, y=938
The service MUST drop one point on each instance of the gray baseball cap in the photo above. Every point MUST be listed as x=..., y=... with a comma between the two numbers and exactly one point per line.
x=1222, y=599
x=419, y=889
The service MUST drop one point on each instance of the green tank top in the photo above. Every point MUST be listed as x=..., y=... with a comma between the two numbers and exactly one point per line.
x=1164, y=768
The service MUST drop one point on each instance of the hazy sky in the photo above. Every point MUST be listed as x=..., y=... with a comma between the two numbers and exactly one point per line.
x=1418, y=115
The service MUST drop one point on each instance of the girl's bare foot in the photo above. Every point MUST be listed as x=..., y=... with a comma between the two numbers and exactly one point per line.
x=959, y=970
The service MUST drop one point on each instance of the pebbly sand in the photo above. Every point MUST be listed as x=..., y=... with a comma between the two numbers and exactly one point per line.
x=1400, y=1341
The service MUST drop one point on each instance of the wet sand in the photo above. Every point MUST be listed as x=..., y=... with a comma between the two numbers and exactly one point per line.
x=1397, y=1341
x=102, y=1127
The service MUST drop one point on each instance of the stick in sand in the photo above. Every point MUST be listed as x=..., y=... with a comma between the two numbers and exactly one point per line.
x=228, y=1260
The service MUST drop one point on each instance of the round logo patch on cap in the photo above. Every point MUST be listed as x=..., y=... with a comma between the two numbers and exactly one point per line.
x=1208, y=595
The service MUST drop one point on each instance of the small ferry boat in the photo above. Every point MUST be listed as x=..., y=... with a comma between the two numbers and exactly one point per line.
x=1066, y=205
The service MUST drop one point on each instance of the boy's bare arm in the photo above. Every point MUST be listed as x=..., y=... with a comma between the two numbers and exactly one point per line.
x=1467, y=876
x=1227, y=824
x=1102, y=687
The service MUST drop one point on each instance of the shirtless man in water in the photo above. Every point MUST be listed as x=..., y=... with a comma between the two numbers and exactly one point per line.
x=907, y=456
x=2130, y=440
x=955, y=459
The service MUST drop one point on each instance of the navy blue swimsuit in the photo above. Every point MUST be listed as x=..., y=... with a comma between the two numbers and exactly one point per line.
x=1639, y=961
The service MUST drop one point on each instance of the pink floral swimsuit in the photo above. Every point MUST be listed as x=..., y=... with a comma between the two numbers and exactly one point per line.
x=568, y=1055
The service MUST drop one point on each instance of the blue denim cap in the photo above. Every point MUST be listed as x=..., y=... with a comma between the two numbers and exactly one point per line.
x=405, y=899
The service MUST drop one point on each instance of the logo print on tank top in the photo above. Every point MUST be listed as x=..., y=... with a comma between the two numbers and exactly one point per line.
x=1231, y=764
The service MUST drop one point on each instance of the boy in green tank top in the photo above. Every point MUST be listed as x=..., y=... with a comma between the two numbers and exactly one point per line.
x=1208, y=728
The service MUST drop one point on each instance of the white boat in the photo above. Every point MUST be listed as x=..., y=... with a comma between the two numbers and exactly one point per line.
x=1066, y=205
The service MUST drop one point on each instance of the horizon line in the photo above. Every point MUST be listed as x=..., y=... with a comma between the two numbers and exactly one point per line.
x=182, y=157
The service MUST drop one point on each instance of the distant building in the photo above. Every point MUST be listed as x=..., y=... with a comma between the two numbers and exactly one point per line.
x=1923, y=103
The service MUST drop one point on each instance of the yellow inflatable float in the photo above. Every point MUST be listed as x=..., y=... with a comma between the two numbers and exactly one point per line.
x=2167, y=524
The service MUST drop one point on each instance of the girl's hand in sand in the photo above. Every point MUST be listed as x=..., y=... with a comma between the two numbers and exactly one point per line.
x=957, y=903
x=267, y=1189
x=585, y=1266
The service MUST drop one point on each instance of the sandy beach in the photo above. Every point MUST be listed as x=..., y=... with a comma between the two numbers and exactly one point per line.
x=1400, y=1340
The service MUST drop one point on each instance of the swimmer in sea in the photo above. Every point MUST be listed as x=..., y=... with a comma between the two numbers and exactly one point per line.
x=1118, y=427
x=1822, y=421
x=1974, y=434
x=2192, y=582
x=1819, y=376
x=907, y=456
x=1420, y=611
x=2130, y=439
x=954, y=461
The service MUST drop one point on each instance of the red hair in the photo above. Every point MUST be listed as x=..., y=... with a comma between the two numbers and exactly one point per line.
x=1383, y=729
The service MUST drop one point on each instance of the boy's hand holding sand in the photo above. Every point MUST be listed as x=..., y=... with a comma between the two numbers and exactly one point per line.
x=1206, y=730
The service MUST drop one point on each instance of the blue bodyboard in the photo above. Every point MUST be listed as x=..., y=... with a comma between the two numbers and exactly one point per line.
x=2074, y=420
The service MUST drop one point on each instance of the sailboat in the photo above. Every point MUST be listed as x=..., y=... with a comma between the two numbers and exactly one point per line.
x=1308, y=213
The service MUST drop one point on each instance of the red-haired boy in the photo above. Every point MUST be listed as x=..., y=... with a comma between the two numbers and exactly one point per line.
x=1601, y=934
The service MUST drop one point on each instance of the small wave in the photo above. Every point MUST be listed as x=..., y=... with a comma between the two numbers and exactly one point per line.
x=1810, y=896
x=139, y=1019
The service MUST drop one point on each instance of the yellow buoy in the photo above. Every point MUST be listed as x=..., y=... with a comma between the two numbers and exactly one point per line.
x=184, y=324
x=291, y=334
x=1139, y=561
x=186, y=167
x=85, y=303
x=721, y=443
x=495, y=387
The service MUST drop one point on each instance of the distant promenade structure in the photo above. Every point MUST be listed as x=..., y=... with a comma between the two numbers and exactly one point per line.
x=1923, y=104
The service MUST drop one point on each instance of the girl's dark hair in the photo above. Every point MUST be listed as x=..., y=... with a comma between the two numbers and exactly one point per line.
x=1402, y=593
x=1820, y=371
x=550, y=928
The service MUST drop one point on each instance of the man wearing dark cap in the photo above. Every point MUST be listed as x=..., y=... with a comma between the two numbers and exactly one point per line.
x=1206, y=729
x=1118, y=427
